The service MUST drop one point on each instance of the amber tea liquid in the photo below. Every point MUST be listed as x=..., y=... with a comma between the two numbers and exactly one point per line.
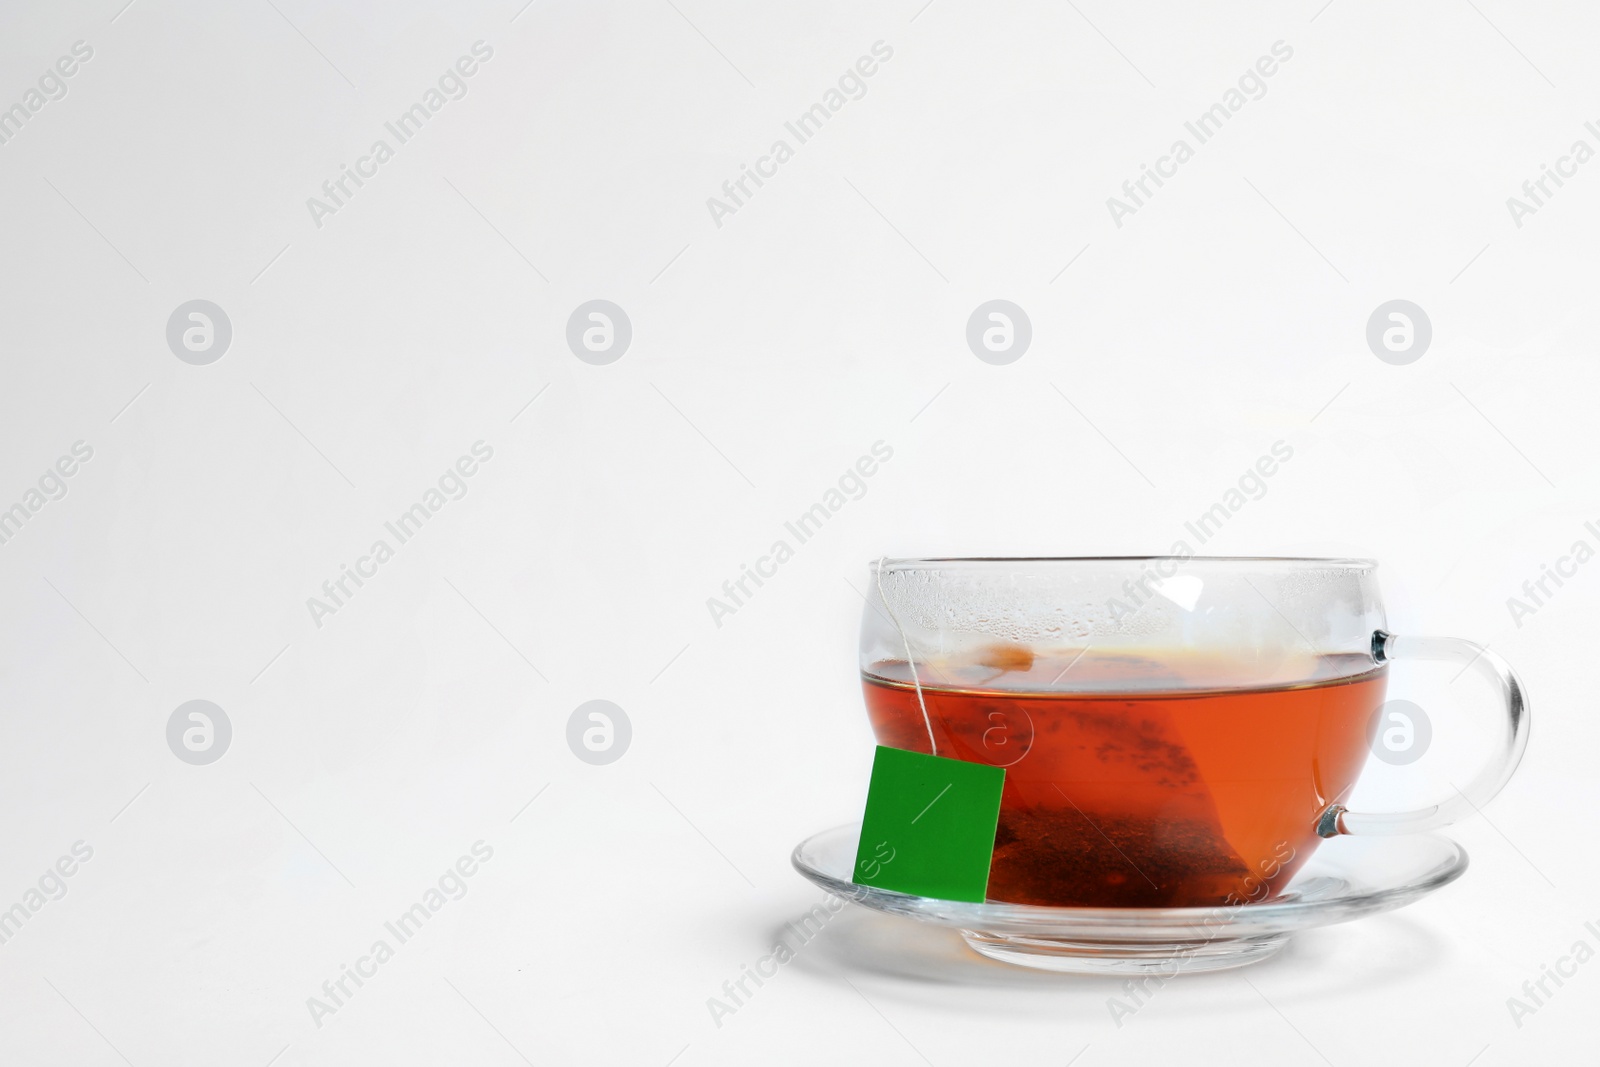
x=1138, y=785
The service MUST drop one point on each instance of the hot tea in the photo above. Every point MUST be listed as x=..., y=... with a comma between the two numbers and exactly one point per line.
x=1137, y=783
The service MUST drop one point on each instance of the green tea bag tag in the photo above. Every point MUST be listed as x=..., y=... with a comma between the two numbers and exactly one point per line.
x=929, y=825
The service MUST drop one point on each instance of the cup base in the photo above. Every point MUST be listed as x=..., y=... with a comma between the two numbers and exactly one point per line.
x=1346, y=878
x=1164, y=959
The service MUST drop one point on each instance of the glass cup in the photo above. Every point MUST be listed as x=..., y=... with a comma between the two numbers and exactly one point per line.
x=1176, y=731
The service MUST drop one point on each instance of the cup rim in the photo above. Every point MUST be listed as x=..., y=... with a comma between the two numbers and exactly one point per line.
x=1325, y=562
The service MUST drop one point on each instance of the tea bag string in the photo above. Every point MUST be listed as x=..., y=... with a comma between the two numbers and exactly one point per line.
x=933, y=746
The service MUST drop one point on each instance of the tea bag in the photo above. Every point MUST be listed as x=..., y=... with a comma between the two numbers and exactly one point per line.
x=1110, y=811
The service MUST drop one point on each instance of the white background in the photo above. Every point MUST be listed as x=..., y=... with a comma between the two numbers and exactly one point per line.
x=768, y=354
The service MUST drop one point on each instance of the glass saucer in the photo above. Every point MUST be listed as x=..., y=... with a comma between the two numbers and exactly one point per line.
x=1346, y=878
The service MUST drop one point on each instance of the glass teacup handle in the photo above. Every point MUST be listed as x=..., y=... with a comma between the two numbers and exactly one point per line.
x=1511, y=739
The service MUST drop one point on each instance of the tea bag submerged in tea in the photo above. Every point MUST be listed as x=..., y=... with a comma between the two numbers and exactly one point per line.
x=1063, y=856
x=1111, y=811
